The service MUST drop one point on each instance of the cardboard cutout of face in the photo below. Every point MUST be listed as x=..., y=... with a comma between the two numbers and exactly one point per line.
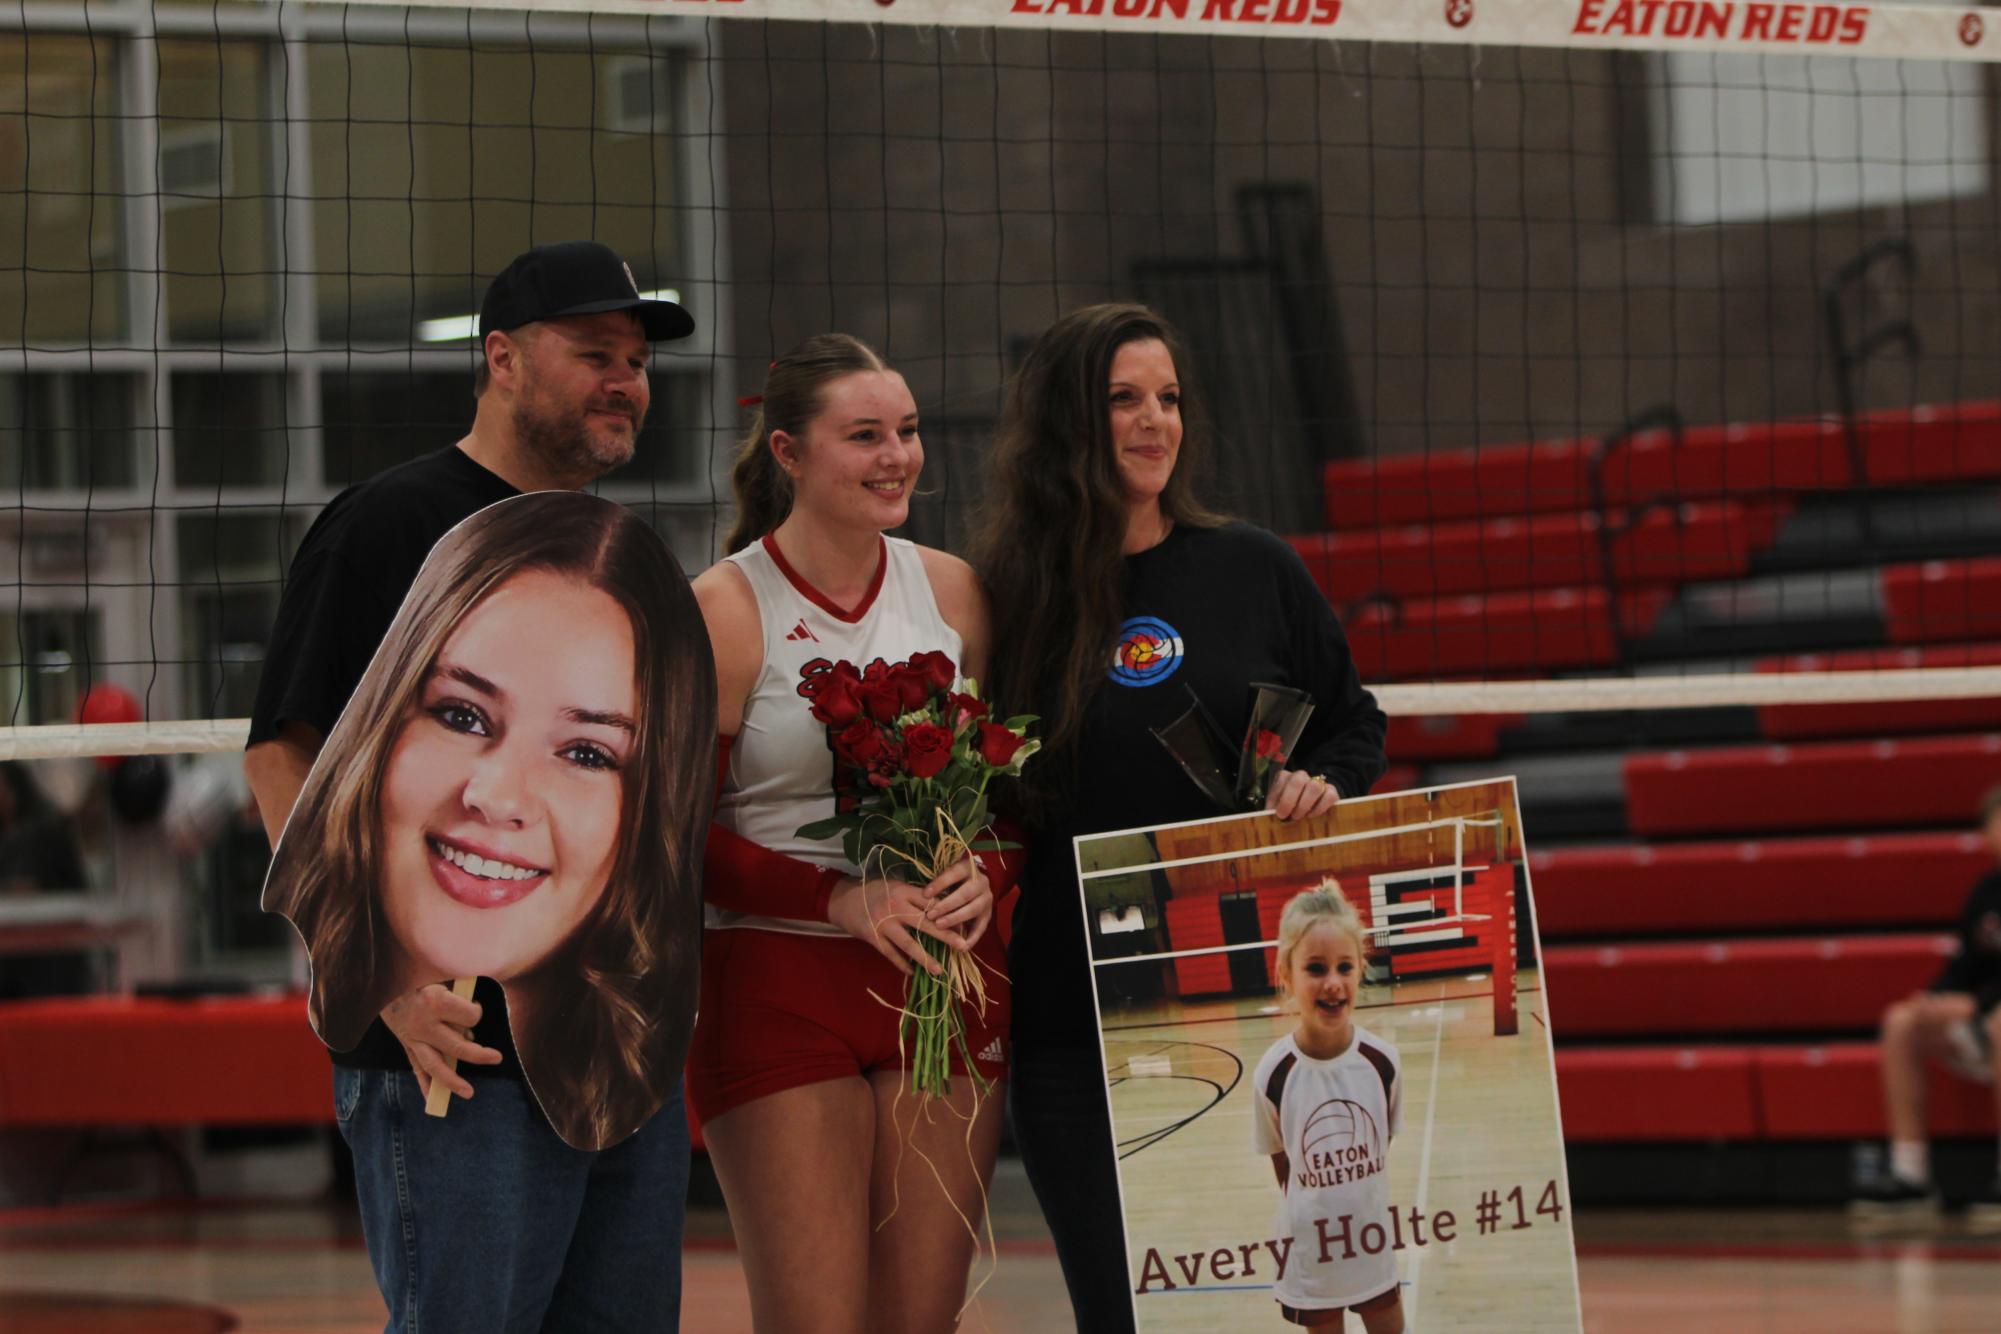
x=519, y=789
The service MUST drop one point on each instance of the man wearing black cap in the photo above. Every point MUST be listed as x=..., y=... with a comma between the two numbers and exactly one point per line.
x=485, y=1219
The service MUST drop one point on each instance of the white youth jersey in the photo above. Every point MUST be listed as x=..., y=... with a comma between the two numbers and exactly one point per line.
x=781, y=773
x=1333, y=1121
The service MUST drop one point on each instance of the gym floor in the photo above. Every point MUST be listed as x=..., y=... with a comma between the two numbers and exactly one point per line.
x=300, y=1267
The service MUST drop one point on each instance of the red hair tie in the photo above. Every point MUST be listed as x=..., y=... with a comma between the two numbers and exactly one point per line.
x=752, y=400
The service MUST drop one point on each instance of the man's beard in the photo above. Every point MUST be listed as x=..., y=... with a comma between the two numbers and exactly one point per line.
x=568, y=444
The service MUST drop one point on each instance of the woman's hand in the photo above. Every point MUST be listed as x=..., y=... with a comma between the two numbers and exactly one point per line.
x=1298, y=795
x=961, y=895
x=887, y=914
x=435, y=1028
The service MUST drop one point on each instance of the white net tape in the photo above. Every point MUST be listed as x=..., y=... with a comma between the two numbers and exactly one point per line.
x=1562, y=696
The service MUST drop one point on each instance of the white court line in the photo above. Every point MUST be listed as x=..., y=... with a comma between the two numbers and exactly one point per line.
x=1424, y=1159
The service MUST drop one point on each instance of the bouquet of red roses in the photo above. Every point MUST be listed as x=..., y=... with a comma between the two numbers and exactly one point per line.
x=914, y=753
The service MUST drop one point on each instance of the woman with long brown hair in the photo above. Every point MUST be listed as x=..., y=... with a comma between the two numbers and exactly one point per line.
x=1112, y=587
x=854, y=1205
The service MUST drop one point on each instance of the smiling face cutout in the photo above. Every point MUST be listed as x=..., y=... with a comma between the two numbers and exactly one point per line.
x=518, y=790
x=501, y=803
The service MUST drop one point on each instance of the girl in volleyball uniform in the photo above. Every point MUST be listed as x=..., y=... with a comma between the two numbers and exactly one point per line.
x=1327, y=1101
x=778, y=775
x=854, y=1202
x=781, y=768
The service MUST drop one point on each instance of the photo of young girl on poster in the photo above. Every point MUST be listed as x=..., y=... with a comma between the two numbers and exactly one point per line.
x=1330, y=1099
x=1328, y=1068
x=518, y=790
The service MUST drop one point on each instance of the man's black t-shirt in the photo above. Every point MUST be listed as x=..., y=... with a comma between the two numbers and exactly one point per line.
x=1976, y=968
x=347, y=581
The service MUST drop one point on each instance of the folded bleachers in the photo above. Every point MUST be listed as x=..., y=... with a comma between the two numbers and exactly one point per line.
x=1835, y=1091
x=1843, y=883
x=1787, y=722
x=1825, y=785
x=1656, y=1093
x=1826, y=984
x=1715, y=977
x=1670, y=545
x=1766, y=1092
x=1925, y=445
x=1940, y=600
x=1546, y=630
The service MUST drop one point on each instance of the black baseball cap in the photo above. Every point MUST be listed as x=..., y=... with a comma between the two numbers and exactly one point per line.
x=574, y=278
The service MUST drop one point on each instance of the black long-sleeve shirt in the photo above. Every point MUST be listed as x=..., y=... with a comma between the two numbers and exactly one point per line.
x=1975, y=968
x=1215, y=609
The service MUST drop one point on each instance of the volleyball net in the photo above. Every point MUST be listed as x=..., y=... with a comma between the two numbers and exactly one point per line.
x=1605, y=355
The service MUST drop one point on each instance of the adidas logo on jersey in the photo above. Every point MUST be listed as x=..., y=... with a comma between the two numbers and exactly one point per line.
x=992, y=1051
x=800, y=631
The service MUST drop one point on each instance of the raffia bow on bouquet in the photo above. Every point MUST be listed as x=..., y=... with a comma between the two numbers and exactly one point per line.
x=914, y=753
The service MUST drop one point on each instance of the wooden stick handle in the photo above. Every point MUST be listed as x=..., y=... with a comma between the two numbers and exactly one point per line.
x=441, y=1095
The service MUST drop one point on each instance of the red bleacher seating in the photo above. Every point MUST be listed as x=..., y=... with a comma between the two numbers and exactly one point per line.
x=1736, y=1093
x=1836, y=1092
x=1711, y=540
x=148, y=1061
x=1754, y=458
x=1941, y=442
x=1835, y=784
x=1940, y=600
x=1543, y=477
x=1810, y=883
x=1782, y=722
x=1819, y=985
x=1547, y=630
x=1653, y=1093
x=121, y=1060
x=1932, y=443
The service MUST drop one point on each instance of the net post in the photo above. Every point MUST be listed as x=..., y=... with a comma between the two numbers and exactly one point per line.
x=1501, y=929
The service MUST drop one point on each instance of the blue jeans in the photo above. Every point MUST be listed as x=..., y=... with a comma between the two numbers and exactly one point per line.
x=484, y=1220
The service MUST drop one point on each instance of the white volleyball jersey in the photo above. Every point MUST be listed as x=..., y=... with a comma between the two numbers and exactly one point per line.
x=781, y=772
x=1333, y=1121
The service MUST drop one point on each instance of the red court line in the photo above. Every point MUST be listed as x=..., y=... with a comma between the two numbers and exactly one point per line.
x=40, y=1215
x=1025, y=1246
x=232, y=1245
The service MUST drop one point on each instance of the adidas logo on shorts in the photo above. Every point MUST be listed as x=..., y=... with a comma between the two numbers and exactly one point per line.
x=991, y=1053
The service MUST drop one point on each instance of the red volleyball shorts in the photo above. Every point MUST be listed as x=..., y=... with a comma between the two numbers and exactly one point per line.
x=782, y=1010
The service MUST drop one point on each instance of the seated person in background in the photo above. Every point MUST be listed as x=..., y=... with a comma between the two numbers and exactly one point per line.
x=38, y=851
x=1956, y=1023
